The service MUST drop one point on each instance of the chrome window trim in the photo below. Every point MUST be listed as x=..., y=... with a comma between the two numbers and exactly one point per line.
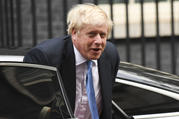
x=137, y=77
x=172, y=115
x=150, y=88
x=63, y=93
x=147, y=70
x=17, y=58
x=120, y=110
x=22, y=64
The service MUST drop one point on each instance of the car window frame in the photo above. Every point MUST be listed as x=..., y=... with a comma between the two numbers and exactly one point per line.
x=153, y=89
x=149, y=88
x=30, y=65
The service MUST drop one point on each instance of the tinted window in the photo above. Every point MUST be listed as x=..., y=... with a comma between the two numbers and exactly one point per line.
x=30, y=93
x=137, y=101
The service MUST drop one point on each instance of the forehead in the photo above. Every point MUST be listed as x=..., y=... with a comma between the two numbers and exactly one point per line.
x=95, y=28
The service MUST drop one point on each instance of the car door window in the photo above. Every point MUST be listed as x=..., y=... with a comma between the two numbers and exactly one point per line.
x=31, y=93
x=137, y=101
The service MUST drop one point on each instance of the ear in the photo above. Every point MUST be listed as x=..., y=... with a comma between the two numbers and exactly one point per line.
x=74, y=34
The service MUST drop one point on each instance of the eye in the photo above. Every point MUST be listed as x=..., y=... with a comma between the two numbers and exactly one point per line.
x=103, y=35
x=92, y=34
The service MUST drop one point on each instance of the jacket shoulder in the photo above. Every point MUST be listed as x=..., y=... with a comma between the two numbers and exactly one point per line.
x=111, y=50
x=49, y=52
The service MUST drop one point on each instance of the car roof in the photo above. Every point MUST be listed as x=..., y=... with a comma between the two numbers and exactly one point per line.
x=148, y=76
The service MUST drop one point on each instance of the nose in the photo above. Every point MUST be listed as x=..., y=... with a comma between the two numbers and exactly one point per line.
x=98, y=39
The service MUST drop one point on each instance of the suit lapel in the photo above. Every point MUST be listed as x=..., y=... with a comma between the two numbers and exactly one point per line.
x=68, y=72
x=106, y=83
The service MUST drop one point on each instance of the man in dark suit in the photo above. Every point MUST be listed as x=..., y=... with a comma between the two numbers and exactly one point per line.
x=88, y=29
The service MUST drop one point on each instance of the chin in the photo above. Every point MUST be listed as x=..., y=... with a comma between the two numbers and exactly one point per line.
x=95, y=57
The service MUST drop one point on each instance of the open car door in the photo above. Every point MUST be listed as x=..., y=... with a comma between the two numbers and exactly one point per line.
x=31, y=91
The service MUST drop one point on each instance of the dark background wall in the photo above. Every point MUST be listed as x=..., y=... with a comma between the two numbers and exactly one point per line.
x=25, y=23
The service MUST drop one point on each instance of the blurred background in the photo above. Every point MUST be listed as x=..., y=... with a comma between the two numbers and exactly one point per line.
x=146, y=32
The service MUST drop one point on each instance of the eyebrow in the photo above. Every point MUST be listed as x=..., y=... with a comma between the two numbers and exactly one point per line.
x=95, y=32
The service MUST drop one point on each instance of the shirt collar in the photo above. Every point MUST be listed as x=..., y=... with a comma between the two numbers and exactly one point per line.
x=79, y=58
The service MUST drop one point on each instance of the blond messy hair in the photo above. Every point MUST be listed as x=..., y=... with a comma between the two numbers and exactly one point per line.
x=83, y=14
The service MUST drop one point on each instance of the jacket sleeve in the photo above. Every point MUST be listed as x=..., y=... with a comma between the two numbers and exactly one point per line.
x=114, y=59
x=116, y=62
x=36, y=56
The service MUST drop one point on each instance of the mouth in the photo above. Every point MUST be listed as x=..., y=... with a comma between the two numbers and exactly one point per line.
x=95, y=53
x=96, y=50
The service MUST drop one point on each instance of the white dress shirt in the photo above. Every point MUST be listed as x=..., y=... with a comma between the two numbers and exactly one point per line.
x=82, y=110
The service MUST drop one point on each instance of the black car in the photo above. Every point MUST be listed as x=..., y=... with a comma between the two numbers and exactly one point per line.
x=31, y=91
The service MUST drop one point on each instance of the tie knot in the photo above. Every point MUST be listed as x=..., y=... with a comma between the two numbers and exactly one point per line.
x=89, y=63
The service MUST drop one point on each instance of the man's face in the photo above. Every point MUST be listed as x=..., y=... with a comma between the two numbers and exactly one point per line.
x=90, y=41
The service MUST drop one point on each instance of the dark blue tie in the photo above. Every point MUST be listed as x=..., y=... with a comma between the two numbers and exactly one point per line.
x=90, y=92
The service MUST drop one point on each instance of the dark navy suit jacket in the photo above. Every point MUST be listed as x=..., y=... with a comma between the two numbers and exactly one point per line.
x=60, y=53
